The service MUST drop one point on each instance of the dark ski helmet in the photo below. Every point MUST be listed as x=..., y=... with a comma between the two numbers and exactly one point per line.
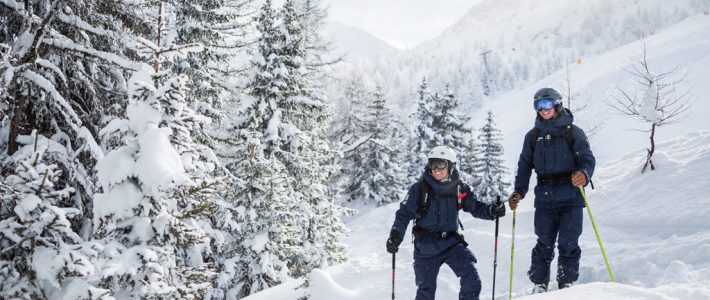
x=550, y=93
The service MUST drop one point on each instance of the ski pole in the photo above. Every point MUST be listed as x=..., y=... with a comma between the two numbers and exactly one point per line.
x=495, y=254
x=392, y=276
x=594, y=225
x=512, y=259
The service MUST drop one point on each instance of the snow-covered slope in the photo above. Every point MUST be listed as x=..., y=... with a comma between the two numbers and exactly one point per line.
x=654, y=225
x=355, y=44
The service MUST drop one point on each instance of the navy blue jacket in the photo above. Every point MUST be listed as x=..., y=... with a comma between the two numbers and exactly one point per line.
x=442, y=215
x=552, y=156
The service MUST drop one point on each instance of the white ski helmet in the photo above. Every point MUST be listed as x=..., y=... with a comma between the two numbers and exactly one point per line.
x=443, y=152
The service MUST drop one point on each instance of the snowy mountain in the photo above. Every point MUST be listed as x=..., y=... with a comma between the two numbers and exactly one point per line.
x=652, y=224
x=528, y=40
x=356, y=44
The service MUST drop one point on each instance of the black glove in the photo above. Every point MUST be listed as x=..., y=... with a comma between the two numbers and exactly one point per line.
x=393, y=242
x=498, y=209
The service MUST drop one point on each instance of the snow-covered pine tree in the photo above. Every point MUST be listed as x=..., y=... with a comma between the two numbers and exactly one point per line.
x=453, y=131
x=42, y=257
x=306, y=152
x=489, y=163
x=378, y=179
x=222, y=27
x=347, y=128
x=467, y=160
x=347, y=131
x=144, y=239
x=268, y=231
x=63, y=65
x=448, y=126
x=163, y=173
x=423, y=136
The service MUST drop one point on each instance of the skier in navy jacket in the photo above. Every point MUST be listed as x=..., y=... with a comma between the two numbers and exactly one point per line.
x=560, y=154
x=436, y=240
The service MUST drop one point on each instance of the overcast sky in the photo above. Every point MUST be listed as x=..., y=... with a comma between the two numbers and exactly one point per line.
x=402, y=23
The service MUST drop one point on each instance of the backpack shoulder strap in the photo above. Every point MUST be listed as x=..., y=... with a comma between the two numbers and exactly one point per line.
x=533, y=138
x=424, y=200
x=570, y=138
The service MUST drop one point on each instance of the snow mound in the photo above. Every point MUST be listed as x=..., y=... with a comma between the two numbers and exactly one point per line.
x=323, y=287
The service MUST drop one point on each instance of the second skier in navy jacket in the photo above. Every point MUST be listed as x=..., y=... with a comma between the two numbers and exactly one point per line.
x=559, y=153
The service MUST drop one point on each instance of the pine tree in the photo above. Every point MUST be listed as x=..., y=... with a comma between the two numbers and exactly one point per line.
x=489, y=165
x=423, y=137
x=349, y=124
x=268, y=226
x=347, y=131
x=135, y=215
x=64, y=65
x=467, y=162
x=42, y=256
x=378, y=177
x=222, y=27
x=289, y=115
x=164, y=173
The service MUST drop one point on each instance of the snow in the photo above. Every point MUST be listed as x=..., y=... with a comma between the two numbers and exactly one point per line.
x=26, y=206
x=119, y=200
x=159, y=163
x=653, y=225
x=258, y=244
x=648, y=109
x=11, y=4
x=116, y=167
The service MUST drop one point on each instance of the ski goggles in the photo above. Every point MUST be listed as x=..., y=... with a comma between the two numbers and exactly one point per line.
x=438, y=164
x=544, y=103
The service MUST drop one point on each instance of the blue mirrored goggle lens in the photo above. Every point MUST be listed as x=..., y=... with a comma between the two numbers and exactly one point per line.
x=545, y=104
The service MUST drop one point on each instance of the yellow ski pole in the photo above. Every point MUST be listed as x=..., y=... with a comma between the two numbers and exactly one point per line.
x=594, y=225
x=512, y=259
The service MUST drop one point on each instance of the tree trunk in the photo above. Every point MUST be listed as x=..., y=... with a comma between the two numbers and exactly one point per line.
x=649, y=162
x=21, y=123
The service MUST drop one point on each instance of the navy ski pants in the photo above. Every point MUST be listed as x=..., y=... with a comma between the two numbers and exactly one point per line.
x=564, y=225
x=461, y=260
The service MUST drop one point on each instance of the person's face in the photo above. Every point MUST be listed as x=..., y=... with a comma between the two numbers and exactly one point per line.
x=439, y=169
x=545, y=108
x=546, y=114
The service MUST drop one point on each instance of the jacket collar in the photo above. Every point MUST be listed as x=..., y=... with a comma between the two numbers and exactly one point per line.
x=437, y=185
x=563, y=119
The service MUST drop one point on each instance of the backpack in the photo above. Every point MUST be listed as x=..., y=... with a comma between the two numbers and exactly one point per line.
x=424, y=200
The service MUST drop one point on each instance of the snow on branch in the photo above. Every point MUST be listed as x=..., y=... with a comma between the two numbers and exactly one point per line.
x=66, y=44
x=49, y=65
x=59, y=101
x=81, y=24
